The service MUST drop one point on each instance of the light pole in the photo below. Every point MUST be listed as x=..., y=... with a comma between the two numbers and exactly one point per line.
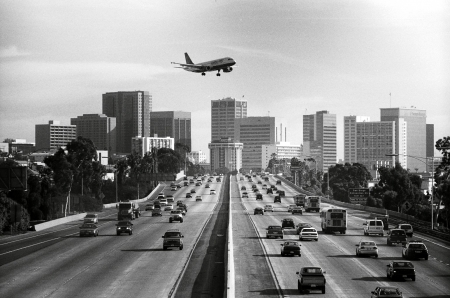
x=432, y=180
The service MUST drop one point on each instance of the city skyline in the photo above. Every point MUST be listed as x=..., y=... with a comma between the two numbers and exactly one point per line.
x=293, y=59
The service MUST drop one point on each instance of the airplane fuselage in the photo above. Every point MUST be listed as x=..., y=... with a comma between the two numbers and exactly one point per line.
x=217, y=64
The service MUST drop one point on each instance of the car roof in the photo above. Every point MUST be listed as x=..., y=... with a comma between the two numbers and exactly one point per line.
x=288, y=219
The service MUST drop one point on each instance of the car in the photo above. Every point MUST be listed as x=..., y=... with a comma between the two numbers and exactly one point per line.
x=366, y=248
x=184, y=206
x=311, y=279
x=264, y=186
x=88, y=229
x=188, y=195
x=168, y=207
x=259, y=182
x=254, y=186
x=281, y=193
x=163, y=202
x=385, y=292
x=198, y=184
x=268, y=208
x=176, y=215
x=297, y=209
x=259, y=196
x=269, y=191
x=287, y=223
x=415, y=249
x=291, y=248
x=278, y=182
x=373, y=227
x=182, y=209
x=277, y=199
x=207, y=186
x=243, y=188
x=218, y=179
x=173, y=238
x=274, y=188
x=244, y=194
x=308, y=234
x=291, y=207
x=149, y=207
x=192, y=190
x=209, y=180
x=91, y=218
x=124, y=226
x=198, y=198
x=401, y=269
x=407, y=227
x=258, y=210
x=274, y=232
x=301, y=226
x=212, y=192
x=185, y=183
x=250, y=180
x=255, y=190
x=179, y=202
x=170, y=199
x=396, y=236
x=178, y=186
x=156, y=212
x=173, y=188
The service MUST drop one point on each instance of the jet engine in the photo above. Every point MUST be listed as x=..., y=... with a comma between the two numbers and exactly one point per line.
x=208, y=67
x=228, y=69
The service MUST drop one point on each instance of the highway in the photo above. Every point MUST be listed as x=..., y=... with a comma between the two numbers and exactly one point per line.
x=346, y=274
x=58, y=263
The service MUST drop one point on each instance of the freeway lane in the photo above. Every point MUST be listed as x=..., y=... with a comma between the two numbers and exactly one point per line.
x=109, y=265
x=347, y=275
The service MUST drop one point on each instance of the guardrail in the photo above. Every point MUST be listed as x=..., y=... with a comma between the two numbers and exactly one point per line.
x=394, y=217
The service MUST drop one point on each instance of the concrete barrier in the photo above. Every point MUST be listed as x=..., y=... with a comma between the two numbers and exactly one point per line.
x=230, y=256
x=52, y=223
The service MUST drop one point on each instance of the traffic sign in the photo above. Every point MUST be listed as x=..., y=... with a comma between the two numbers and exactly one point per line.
x=406, y=206
x=358, y=193
x=358, y=200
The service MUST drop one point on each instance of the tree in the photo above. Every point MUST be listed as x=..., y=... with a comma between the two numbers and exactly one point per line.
x=441, y=190
x=343, y=177
x=168, y=161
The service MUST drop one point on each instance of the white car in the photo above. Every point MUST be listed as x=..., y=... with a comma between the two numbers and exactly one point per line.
x=173, y=188
x=290, y=207
x=212, y=192
x=198, y=198
x=149, y=207
x=308, y=234
x=91, y=218
x=168, y=207
x=366, y=248
x=268, y=208
x=170, y=199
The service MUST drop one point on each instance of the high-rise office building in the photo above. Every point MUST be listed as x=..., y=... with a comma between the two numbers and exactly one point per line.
x=132, y=111
x=283, y=150
x=223, y=113
x=225, y=153
x=100, y=128
x=197, y=157
x=54, y=135
x=174, y=124
x=319, y=138
x=415, y=133
x=350, y=136
x=254, y=132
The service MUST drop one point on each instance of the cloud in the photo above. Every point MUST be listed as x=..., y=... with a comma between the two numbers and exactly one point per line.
x=12, y=51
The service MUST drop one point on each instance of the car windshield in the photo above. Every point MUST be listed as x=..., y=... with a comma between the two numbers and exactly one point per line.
x=304, y=225
x=287, y=220
x=398, y=232
x=385, y=292
x=368, y=243
x=90, y=216
x=290, y=244
x=312, y=270
x=122, y=223
x=274, y=228
x=406, y=227
x=417, y=246
x=308, y=230
x=90, y=226
x=403, y=264
x=172, y=235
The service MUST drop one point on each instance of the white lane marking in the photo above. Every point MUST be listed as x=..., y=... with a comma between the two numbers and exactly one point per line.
x=28, y=246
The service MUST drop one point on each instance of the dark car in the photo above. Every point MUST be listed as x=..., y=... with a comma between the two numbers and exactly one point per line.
x=259, y=210
x=188, y=195
x=291, y=248
x=277, y=199
x=269, y=190
x=287, y=223
x=243, y=188
x=89, y=229
x=124, y=226
x=386, y=292
x=278, y=182
x=281, y=193
x=415, y=249
x=259, y=196
x=407, y=227
x=244, y=194
x=301, y=226
x=396, y=236
x=172, y=238
x=274, y=232
x=192, y=190
x=401, y=269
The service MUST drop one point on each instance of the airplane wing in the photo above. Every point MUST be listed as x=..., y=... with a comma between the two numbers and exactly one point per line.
x=188, y=65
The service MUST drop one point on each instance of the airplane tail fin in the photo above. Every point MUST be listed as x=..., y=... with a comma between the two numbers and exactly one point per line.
x=188, y=59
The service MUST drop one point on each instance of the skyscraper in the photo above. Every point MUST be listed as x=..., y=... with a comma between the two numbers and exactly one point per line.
x=350, y=136
x=223, y=113
x=174, y=124
x=319, y=138
x=254, y=132
x=132, y=111
x=415, y=132
x=54, y=135
x=100, y=128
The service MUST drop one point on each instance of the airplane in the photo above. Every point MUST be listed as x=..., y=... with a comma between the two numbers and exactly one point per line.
x=218, y=64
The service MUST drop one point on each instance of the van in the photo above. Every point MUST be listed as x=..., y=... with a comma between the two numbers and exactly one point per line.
x=373, y=227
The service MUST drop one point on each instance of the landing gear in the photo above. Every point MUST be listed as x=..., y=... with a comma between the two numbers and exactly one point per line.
x=218, y=73
x=203, y=74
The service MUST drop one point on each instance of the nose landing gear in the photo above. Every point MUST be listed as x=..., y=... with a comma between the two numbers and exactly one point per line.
x=203, y=74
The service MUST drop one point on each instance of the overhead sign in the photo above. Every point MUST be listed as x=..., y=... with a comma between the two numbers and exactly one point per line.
x=14, y=178
x=296, y=168
x=148, y=177
x=406, y=206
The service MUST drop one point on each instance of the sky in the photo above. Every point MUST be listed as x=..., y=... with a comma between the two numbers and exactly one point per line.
x=293, y=58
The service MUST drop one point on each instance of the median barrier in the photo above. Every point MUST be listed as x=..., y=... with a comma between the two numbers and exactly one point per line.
x=62, y=220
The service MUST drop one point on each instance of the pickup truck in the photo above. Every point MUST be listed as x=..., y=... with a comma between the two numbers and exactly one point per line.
x=311, y=278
